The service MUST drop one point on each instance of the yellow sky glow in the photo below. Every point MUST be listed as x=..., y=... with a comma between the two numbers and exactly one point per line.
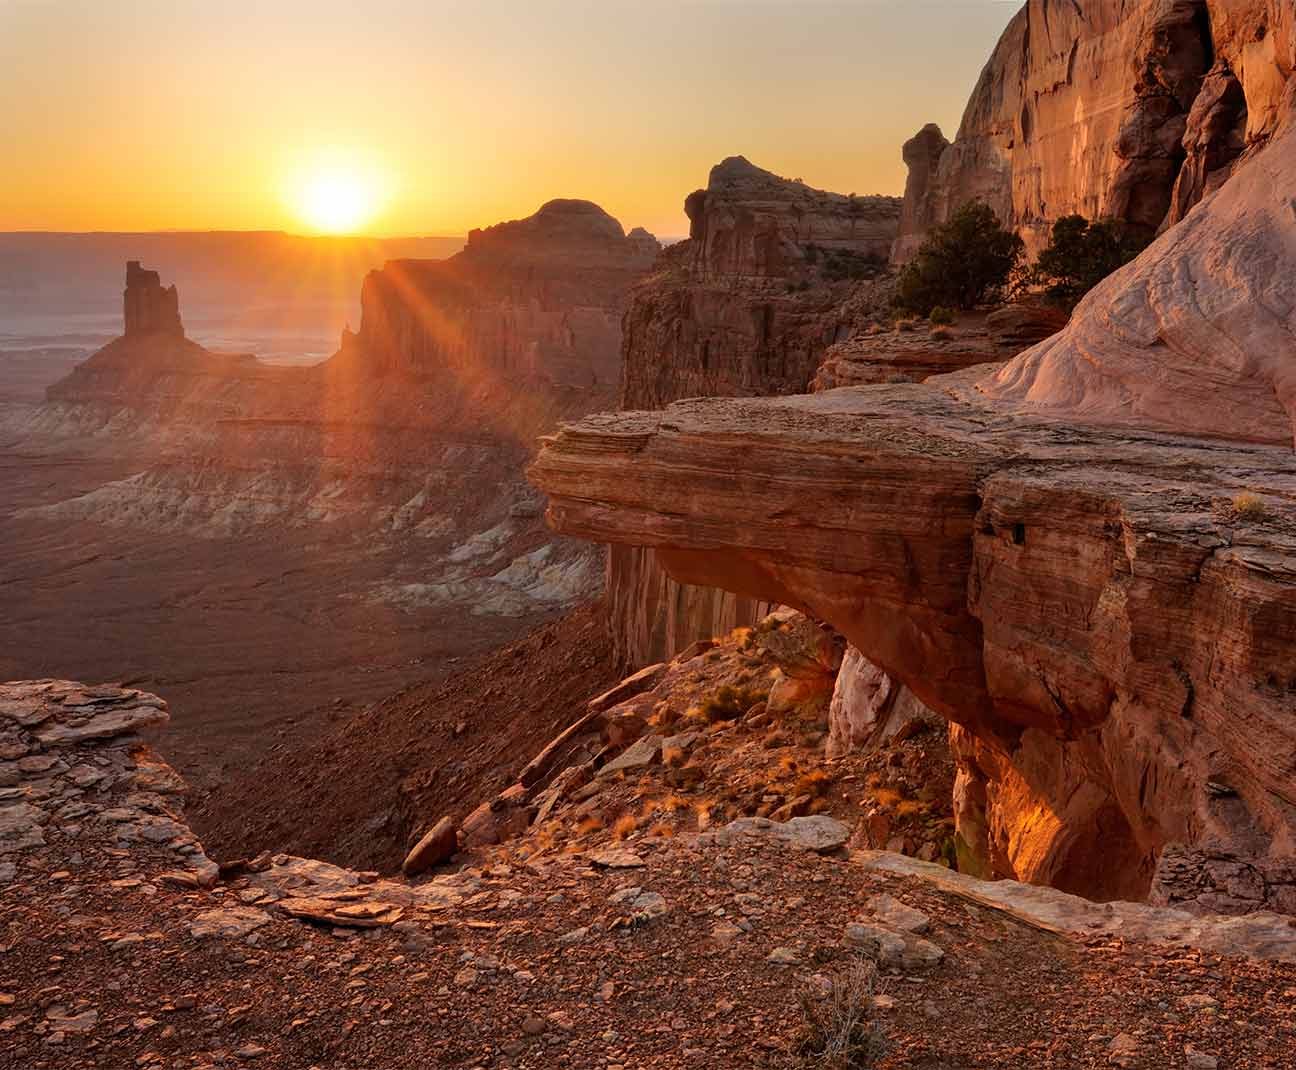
x=434, y=117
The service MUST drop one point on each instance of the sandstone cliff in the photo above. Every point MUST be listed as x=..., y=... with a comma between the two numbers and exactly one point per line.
x=772, y=274
x=1106, y=109
x=533, y=299
x=1104, y=608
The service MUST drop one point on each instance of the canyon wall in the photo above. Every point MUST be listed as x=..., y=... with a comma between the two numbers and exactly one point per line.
x=773, y=273
x=1106, y=109
x=534, y=299
x=1082, y=558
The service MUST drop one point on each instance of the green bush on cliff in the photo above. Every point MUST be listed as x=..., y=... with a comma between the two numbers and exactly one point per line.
x=962, y=263
x=1080, y=254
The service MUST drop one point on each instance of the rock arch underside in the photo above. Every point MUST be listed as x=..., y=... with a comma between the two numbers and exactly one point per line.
x=1050, y=552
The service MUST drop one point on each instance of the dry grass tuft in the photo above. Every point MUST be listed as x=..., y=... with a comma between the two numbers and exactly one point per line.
x=1248, y=506
x=663, y=716
x=814, y=783
x=703, y=809
x=588, y=824
x=730, y=703
x=837, y=1030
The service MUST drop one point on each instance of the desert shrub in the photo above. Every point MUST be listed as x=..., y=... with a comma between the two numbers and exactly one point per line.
x=1247, y=506
x=730, y=703
x=841, y=264
x=961, y=264
x=1080, y=254
x=940, y=316
x=814, y=783
x=837, y=1031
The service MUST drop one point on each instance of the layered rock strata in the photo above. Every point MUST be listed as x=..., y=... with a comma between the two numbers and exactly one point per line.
x=1110, y=640
x=147, y=307
x=773, y=273
x=1105, y=612
x=1109, y=110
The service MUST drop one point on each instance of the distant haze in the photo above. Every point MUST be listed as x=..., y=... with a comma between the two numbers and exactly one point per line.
x=158, y=114
x=266, y=291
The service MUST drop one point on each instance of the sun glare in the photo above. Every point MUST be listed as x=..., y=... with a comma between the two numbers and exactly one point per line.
x=338, y=202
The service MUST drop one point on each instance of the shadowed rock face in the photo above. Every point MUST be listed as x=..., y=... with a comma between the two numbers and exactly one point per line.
x=147, y=308
x=537, y=298
x=1074, y=590
x=1107, y=109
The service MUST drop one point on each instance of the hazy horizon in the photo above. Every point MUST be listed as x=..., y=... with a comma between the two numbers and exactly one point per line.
x=433, y=119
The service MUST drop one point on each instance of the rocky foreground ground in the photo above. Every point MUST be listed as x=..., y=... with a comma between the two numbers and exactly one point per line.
x=123, y=945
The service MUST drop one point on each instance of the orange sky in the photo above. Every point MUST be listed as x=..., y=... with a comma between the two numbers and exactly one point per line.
x=196, y=114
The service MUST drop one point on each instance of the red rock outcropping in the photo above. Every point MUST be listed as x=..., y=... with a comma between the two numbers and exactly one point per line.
x=1052, y=556
x=1109, y=110
x=772, y=274
x=533, y=299
x=148, y=308
x=416, y=430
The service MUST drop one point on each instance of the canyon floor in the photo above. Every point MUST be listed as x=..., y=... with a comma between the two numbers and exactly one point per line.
x=252, y=639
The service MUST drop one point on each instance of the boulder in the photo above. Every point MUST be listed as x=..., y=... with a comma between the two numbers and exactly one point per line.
x=1020, y=324
x=439, y=843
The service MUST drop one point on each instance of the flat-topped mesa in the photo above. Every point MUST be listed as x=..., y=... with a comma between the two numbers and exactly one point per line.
x=149, y=308
x=751, y=223
x=1108, y=109
x=539, y=298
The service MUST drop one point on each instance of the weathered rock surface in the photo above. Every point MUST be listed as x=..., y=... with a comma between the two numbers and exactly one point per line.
x=772, y=274
x=751, y=224
x=910, y=356
x=1049, y=555
x=869, y=709
x=438, y=844
x=72, y=756
x=116, y=956
x=1262, y=935
x=1198, y=334
x=1084, y=603
x=1109, y=110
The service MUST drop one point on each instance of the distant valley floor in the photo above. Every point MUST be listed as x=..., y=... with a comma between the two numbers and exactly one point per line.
x=254, y=640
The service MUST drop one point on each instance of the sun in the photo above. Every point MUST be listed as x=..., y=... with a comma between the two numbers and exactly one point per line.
x=338, y=201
